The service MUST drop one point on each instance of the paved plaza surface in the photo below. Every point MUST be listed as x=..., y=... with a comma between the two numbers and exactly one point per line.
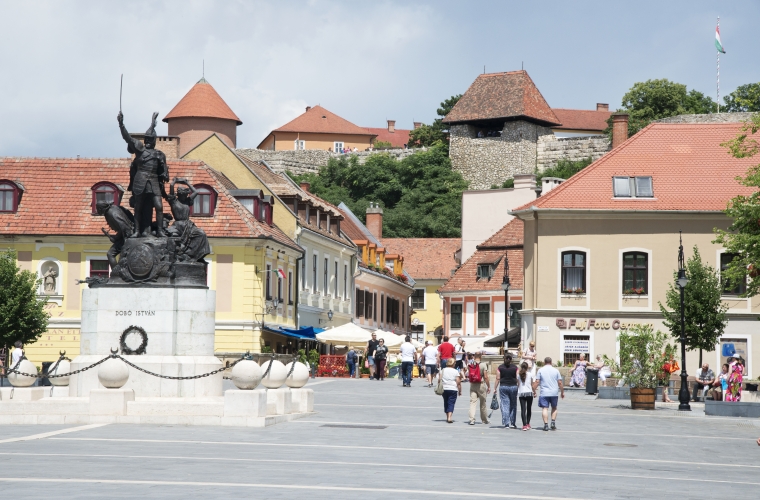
x=372, y=439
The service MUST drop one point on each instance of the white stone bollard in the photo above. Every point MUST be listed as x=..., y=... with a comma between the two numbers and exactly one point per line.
x=302, y=400
x=110, y=402
x=279, y=401
x=246, y=374
x=63, y=367
x=276, y=376
x=299, y=377
x=17, y=380
x=113, y=373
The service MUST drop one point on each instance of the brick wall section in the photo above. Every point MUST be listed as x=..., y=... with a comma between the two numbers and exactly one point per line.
x=311, y=160
x=193, y=131
x=492, y=160
x=552, y=149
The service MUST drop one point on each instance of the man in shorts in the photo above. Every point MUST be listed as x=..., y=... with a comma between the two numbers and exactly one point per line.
x=550, y=382
x=430, y=357
x=445, y=351
x=371, y=348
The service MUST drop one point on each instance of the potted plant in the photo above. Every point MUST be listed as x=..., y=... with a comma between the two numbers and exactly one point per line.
x=641, y=363
x=313, y=360
x=634, y=291
x=364, y=372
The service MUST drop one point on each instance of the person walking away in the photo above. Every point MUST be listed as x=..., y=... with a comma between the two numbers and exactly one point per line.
x=578, y=378
x=529, y=356
x=480, y=388
x=549, y=381
x=735, y=377
x=445, y=352
x=525, y=393
x=704, y=379
x=408, y=357
x=351, y=358
x=421, y=363
x=381, y=354
x=430, y=355
x=508, y=392
x=371, y=346
x=459, y=354
x=452, y=385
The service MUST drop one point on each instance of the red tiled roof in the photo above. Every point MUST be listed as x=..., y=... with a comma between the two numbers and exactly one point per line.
x=582, y=119
x=352, y=230
x=509, y=240
x=425, y=258
x=320, y=121
x=690, y=171
x=202, y=101
x=57, y=198
x=397, y=138
x=502, y=95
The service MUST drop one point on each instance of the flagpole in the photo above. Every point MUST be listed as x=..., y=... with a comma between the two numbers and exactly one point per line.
x=717, y=82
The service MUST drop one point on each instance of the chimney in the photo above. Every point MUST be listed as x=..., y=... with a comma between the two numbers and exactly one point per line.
x=619, y=129
x=525, y=181
x=417, y=124
x=391, y=126
x=305, y=186
x=600, y=106
x=375, y=220
x=308, y=108
x=549, y=183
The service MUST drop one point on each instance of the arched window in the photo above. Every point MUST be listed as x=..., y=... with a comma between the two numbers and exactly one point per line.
x=105, y=191
x=9, y=196
x=204, y=203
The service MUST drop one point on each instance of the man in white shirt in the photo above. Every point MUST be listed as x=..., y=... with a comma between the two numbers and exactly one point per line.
x=459, y=354
x=408, y=357
x=550, y=381
x=430, y=355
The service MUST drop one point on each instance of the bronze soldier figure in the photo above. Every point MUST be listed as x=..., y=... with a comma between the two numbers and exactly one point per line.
x=146, y=177
x=120, y=220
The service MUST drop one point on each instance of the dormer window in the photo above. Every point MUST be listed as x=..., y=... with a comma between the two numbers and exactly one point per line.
x=205, y=201
x=632, y=187
x=105, y=192
x=485, y=271
x=10, y=196
x=267, y=206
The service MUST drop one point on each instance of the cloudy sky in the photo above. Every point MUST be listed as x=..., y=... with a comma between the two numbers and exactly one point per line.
x=366, y=61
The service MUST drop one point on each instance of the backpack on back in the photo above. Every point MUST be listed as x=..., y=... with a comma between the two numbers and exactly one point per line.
x=474, y=373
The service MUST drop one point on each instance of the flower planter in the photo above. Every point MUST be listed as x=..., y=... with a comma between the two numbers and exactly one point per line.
x=365, y=375
x=642, y=398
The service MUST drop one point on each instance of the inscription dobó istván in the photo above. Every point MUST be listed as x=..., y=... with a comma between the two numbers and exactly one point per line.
x=135, y=313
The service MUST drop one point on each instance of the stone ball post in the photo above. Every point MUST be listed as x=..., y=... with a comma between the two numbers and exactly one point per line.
x=63, y=367
x=246, y=375
x=276, y=376
x=299, y=377
x=113, y=374
x=17, y=380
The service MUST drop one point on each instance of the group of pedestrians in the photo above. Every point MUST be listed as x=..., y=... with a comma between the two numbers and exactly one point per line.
x=514, y=383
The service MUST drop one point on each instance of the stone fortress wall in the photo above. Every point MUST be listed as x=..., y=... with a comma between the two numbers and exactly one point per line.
x=311, y=160
x=523, y=148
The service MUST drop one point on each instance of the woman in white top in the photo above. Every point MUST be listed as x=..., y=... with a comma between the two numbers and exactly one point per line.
x=452, y=384
x=525, y=393
x=529, y=356
x=604, y=370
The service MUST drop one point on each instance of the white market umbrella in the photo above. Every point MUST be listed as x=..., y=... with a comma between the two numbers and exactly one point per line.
x=345, y=334
x=475, y=344
x=391, y=339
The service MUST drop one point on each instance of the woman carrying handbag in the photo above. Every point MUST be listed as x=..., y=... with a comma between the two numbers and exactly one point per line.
x=449, y=385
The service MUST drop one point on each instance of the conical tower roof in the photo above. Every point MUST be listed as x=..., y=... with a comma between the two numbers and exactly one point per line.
x=202, y=101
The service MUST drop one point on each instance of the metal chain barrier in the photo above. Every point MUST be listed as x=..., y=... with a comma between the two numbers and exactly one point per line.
x=45, y=375
x=179, y=378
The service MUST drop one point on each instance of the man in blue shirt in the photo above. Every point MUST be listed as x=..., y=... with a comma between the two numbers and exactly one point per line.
x=550, y=381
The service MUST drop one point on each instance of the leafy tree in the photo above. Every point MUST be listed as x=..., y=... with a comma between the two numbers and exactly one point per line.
x=744, y=98
x=421, y=194
x=430, y=135
x=564, y=169
x=22, y=313
x=382, y=145
x=743, y=235
x=641, y=351
x=652, y=100
x=704, y=313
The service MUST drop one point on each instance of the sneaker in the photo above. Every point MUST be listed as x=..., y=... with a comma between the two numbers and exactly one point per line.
x=525, y=427
x=513, y=426
x=528, y=426
x=486, y=422
x=546, y=427
x=554, y=426
x=472, y=422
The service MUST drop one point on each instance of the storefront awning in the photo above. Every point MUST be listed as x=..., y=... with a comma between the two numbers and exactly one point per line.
x=308, y=333
x=513, y=338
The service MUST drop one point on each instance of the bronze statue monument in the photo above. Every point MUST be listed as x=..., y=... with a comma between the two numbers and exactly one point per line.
x=146, y=177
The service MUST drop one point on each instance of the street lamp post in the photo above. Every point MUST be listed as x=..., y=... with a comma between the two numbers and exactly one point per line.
x=683, y=393
x=505, y=286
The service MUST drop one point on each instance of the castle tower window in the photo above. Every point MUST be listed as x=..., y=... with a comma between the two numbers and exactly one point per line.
x=205, y=201
x=105, y=192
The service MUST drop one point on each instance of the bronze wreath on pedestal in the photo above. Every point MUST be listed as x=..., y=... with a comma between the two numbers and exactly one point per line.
x=143, y=344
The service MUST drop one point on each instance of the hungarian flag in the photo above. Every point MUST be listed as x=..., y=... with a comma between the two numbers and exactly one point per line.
x=718, y=45
x=281, y=273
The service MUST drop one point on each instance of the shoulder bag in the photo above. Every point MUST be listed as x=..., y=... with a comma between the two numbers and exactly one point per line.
x=439, y=387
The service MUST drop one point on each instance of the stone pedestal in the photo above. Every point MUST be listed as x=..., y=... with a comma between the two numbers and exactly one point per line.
x=180, y=326
x=59, y=391
x=22, y=394
x=302, y=400
x=245, y=403
x=110, y=402
x=279, y=401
